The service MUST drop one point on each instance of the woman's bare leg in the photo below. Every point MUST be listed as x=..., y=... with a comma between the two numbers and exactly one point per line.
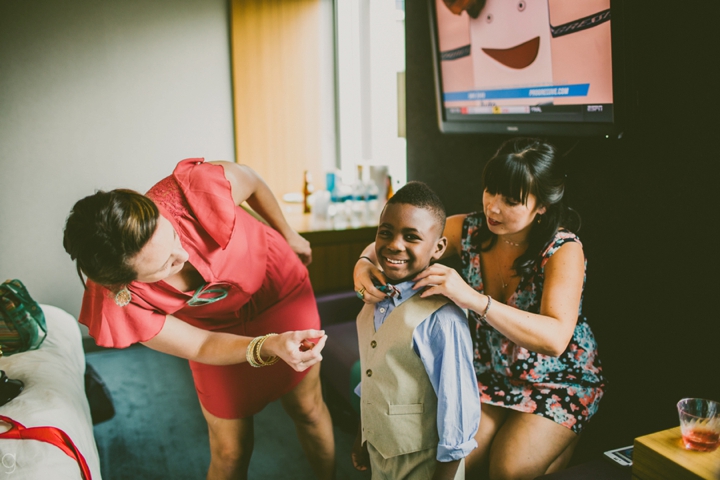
x=491, y=419
x=306, y=407
x=231, y=446
x=528, y=445
x=564, y=458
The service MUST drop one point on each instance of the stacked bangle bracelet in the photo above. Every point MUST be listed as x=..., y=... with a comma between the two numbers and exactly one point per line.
x=483, y=316
x=253, y=352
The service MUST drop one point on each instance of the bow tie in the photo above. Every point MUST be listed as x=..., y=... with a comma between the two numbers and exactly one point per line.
x=390, y=290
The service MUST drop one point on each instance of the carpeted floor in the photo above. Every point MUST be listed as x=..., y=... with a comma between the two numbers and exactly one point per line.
x=158, y=431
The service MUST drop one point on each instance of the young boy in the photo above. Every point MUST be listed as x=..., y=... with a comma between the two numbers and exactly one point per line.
x=420, y=406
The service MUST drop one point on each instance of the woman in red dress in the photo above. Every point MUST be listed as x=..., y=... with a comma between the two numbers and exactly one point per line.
x=186, y=271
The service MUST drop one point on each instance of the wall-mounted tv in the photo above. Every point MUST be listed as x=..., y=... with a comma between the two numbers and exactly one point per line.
x=528, y=67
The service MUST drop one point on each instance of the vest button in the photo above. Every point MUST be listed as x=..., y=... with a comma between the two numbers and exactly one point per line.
x=369, y=373
x=382, y=310
x=373, y=344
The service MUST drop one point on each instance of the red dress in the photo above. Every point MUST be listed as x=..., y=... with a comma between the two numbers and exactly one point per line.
x=268, y=290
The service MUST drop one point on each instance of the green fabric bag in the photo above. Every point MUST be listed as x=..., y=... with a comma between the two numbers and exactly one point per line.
x=22, y=321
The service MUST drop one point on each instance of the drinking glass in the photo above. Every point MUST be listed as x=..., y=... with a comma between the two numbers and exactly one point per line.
x=699, y=423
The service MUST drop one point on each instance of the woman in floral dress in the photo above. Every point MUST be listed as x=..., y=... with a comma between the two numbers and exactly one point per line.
x=522, y=280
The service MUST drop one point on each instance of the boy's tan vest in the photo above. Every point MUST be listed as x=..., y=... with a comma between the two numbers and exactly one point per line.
x=398, y=403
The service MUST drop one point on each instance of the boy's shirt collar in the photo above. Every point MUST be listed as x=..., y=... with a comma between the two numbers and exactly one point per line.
x=404, y=292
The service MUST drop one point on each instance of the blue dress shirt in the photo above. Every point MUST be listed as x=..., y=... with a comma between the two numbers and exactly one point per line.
x=443, y=343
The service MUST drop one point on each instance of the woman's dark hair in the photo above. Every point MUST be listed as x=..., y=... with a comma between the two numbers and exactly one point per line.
x=520, y=167
x=105, y=231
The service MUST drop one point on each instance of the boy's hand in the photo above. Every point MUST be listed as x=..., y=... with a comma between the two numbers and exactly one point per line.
x=359, y=455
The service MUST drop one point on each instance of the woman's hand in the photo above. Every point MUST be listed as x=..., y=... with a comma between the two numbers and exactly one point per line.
x=247, y=186
x=363, y=276
x=299, y=349
x=300, y=246
x=442, y=280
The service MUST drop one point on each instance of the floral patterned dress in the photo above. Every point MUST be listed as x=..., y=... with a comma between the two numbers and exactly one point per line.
x=566, y=389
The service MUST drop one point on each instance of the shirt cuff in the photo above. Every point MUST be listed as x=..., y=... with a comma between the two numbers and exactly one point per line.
x=449, y=453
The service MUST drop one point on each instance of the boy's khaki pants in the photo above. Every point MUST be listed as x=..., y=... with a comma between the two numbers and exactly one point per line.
x=412, y=466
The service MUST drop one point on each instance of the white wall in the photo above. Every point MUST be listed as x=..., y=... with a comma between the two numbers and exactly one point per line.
x=100, y=95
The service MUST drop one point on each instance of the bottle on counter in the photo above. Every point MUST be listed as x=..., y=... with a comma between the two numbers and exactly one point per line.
x=331, y=184
x=373, y=192
x=359, y=197
x=389, y=192
x=308, y=189
x=340, y=195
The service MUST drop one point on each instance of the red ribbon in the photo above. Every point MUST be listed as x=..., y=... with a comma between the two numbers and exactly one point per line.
x=51, y=435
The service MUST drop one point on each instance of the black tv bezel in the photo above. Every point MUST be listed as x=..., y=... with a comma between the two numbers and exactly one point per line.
x=498, y=125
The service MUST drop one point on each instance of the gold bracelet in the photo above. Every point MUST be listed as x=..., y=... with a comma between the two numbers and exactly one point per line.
x=249, y=353
x=256, y=353
x=272, y=359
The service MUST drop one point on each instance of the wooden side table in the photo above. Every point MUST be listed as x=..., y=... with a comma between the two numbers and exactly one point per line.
x=662, y=456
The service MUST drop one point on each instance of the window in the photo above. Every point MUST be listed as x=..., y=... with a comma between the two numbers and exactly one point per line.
x=370, y=86
x=318, y=85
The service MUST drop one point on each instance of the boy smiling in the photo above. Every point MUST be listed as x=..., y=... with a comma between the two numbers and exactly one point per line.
x=420, y=404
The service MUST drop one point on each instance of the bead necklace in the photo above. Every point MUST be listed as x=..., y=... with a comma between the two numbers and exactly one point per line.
x=512, y=243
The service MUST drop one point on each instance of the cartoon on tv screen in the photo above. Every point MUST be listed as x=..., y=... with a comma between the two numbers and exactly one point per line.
x=525, y=57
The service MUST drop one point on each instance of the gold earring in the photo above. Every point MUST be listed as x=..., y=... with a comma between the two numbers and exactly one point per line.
x=539, y=219
x=123, y=297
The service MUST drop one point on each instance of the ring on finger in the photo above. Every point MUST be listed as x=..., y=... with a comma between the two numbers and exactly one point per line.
x=361, y=293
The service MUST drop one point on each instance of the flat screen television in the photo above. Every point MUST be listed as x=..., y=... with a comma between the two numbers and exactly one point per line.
x=528, y=67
